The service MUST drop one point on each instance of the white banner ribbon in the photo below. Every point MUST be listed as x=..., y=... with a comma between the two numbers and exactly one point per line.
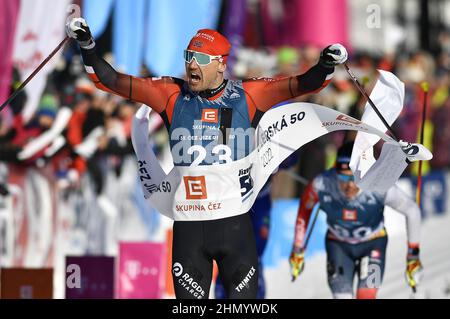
x=388, y=95
x=210, y=192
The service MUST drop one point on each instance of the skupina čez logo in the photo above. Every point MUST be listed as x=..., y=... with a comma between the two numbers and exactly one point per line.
x=210, y=115
x=347, y=119
x=195, y=187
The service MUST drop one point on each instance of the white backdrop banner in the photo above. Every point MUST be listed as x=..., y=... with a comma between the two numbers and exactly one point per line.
x=40, y=28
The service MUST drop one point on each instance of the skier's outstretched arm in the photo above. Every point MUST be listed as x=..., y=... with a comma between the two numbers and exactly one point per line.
x=297, y=256
x=402, y=203
x=265, y=93
x=308, y=200
x=154, y=93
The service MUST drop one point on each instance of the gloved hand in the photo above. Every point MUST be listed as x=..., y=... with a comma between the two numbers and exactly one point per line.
x=297, y=262
x=414, y=269
x=333, y=55
x=78, y=29
x=415, y=152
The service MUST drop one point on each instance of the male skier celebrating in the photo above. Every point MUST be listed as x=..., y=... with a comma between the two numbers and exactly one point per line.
x=205, y=107
x=356, y=239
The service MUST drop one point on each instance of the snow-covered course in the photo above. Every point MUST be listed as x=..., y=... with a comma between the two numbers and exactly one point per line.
x=435, y=255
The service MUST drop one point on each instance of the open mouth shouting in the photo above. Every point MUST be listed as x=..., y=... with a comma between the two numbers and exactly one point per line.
x=194, y=78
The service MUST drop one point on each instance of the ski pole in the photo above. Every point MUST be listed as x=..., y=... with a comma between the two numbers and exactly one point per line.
x=32, y=75
x=425, y=89
x=364, y=93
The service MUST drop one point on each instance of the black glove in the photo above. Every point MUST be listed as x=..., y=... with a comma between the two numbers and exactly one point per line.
x=78, y=29
x=333, y=55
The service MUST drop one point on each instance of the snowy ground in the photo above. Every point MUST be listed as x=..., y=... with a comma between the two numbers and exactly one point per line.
x=435, y=254
x=312, y=283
